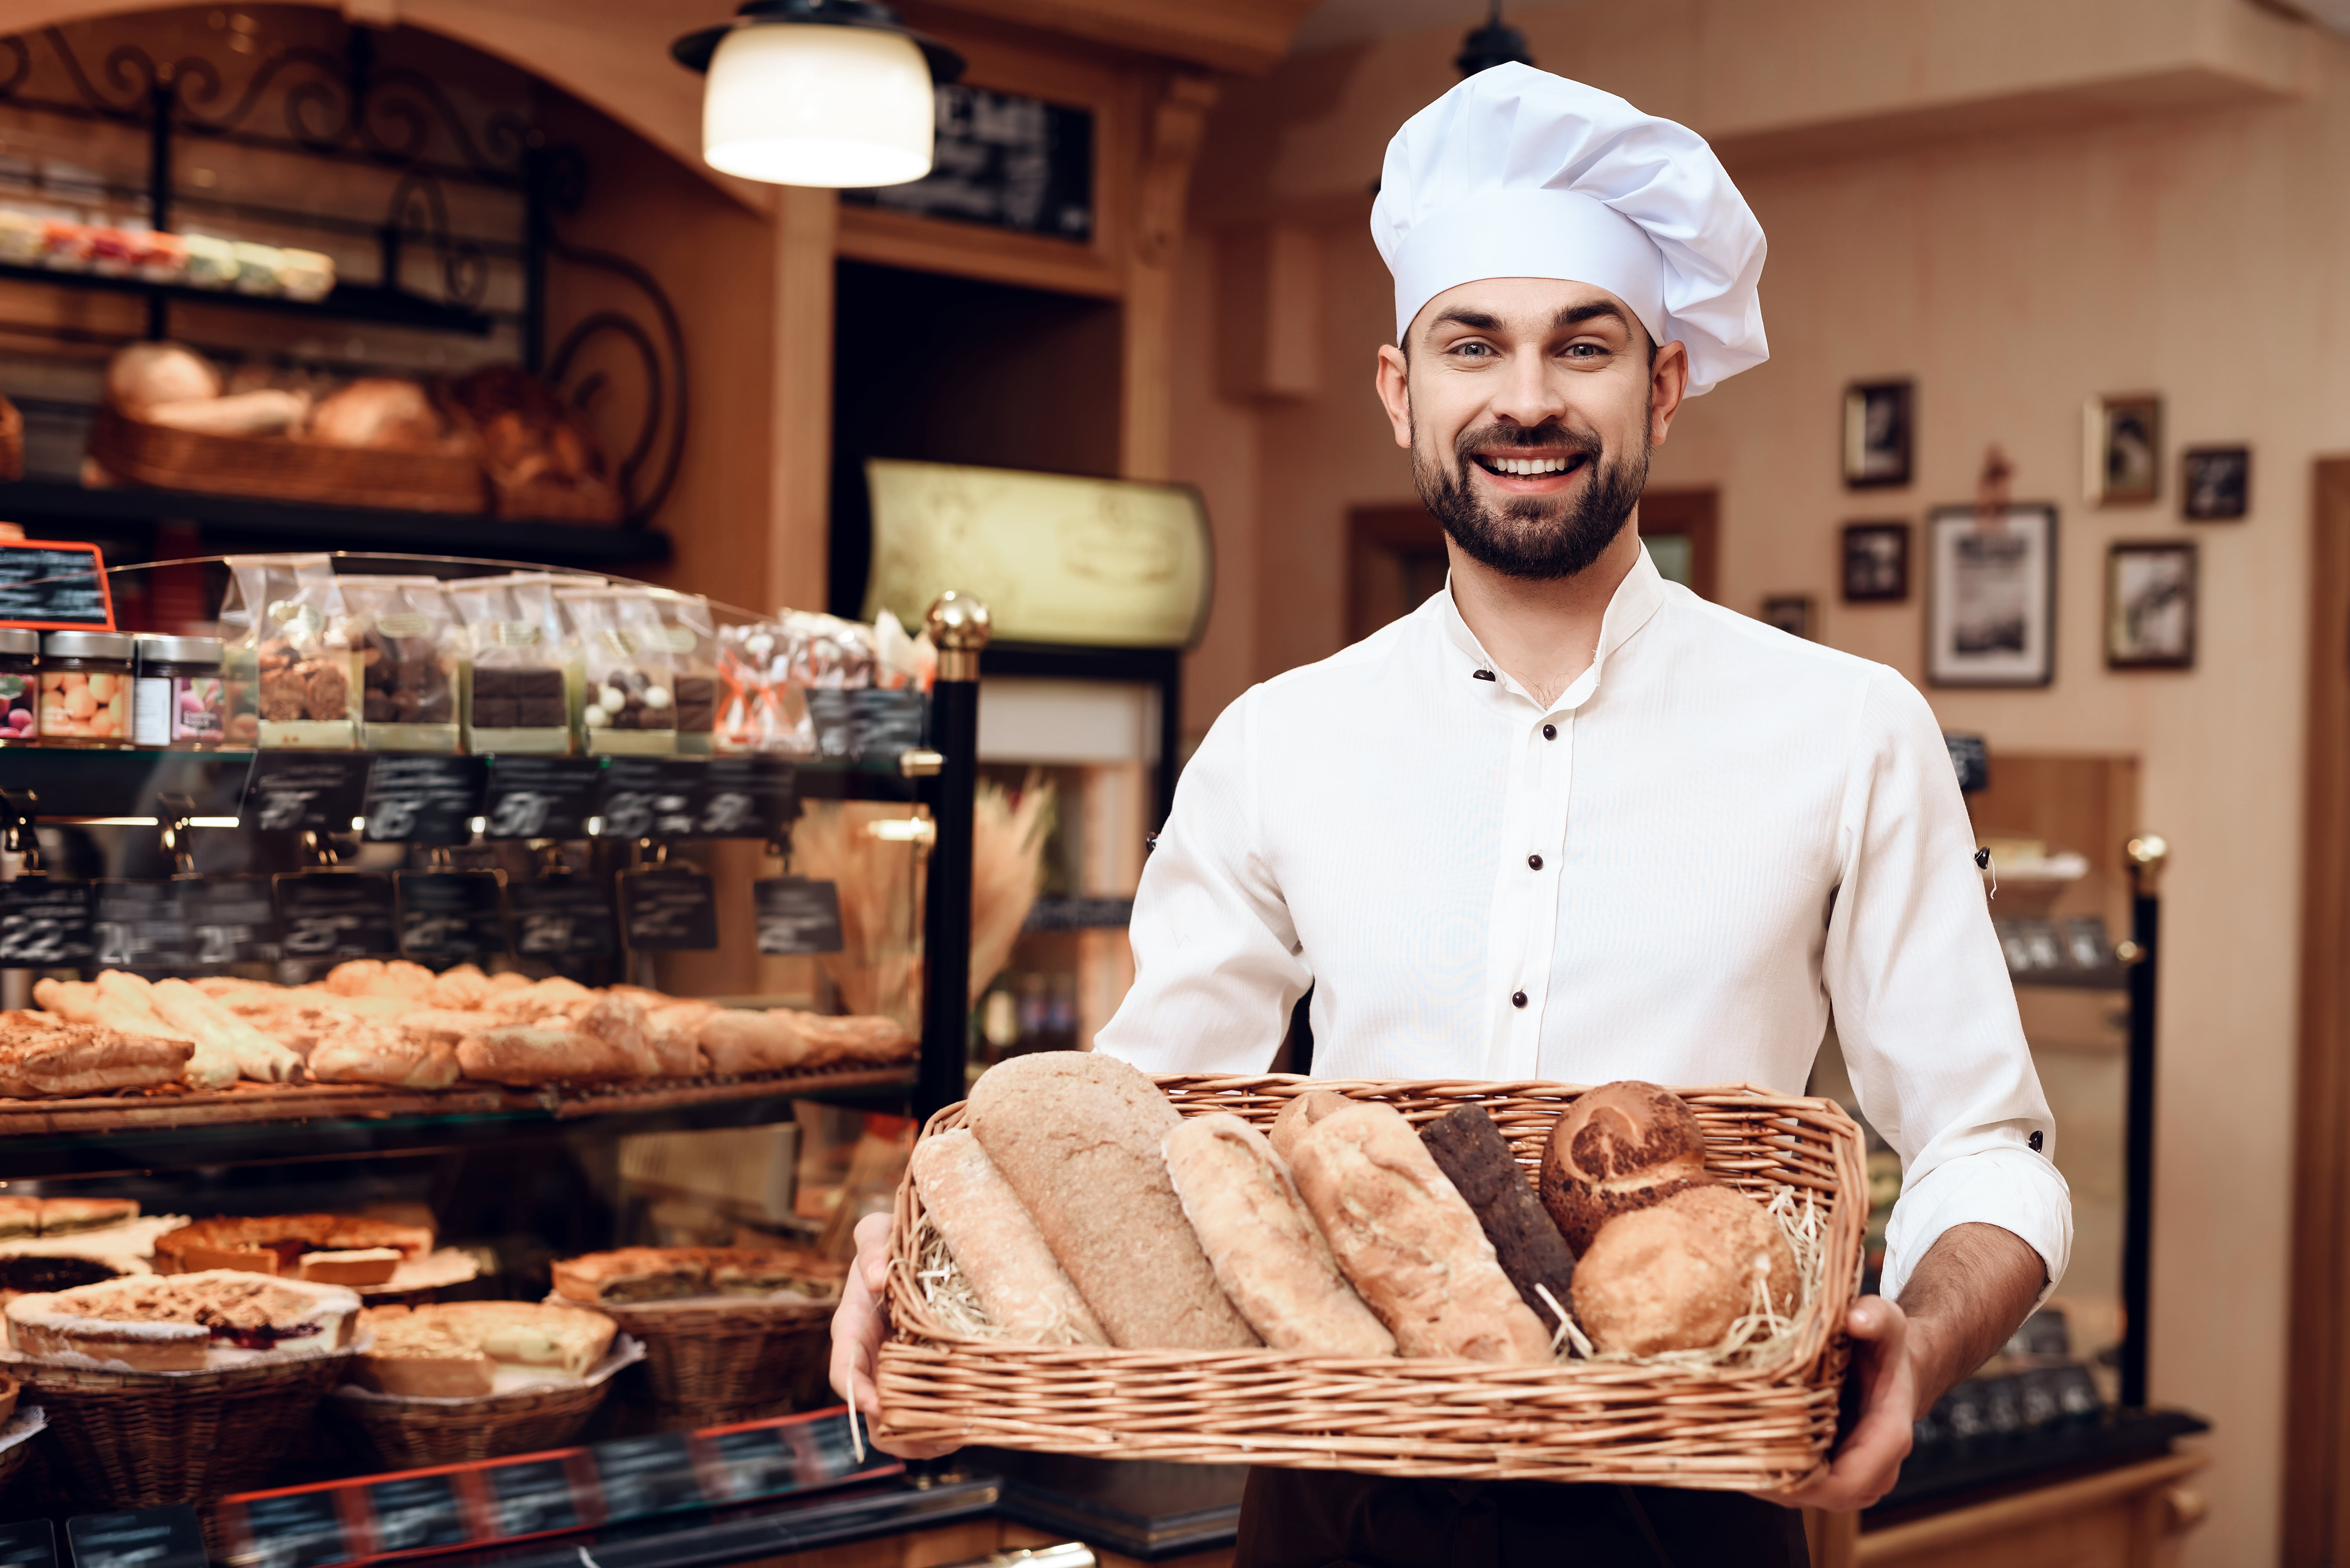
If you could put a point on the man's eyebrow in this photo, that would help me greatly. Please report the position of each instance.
(1476, 320)
(1575, 315)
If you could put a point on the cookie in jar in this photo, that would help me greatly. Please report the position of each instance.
(86, 689)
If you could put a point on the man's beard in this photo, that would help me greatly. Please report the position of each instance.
(1534, 536)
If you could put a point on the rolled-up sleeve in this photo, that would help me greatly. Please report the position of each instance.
(1216, 961)
(1924, 1008)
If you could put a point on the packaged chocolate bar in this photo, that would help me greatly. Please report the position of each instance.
(291, 671)
(411, 650)
(693, 659)
(512, 698)
(621, 658)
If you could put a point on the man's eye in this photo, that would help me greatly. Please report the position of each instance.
(1583, 350)
(1475, 349)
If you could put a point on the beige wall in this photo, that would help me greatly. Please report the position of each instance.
(2174, 221)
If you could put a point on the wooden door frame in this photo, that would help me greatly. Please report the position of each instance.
(1698, 513)
(2317, 1404)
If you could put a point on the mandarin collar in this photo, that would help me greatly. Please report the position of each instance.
(1636, 599)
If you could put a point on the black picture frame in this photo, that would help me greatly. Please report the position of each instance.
(1880, 421)
(2215, 483)
(1875, 563)
(2153, 601)
(1991, 596)
(2121, 449)
(1793, 614)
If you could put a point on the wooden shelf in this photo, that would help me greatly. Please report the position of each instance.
(347, 302)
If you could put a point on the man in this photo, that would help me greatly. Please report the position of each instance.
(1568, 822)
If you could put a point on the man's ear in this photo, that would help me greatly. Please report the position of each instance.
(1668, 386)
(1391, 381)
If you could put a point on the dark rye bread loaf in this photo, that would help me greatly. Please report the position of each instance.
(1077, 1136)
(1470, 1149)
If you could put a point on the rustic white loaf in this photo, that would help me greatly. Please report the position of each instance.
(997, 1246)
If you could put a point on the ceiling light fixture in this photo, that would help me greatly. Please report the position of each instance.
(1494, 43)
(818, 92)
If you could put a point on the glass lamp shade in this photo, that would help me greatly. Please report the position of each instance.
(814, 104)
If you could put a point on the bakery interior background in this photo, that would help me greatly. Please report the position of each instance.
(2079, 255)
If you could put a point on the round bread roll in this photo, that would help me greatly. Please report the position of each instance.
(1301, 1112)
(1619, 1147)
(142, 375)
(1676, 1275)
(996, 1245)
(1077, 1136)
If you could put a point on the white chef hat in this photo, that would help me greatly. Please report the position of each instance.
(1520, 173)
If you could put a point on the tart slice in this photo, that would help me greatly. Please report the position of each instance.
(633, 1275)
(177, 1323)
(763, 1271)
(457, 1348)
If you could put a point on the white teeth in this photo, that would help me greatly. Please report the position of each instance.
(1528, 466)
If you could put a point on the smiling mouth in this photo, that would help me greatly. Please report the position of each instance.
(1531, 465)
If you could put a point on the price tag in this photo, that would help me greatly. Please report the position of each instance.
(532, 1499)
(756, 1461)
(562, 918)
(796, 915)
(417, 1512)
(46, 924)
(646, 1475)
(886, 723)
(450, 917)
(668, 911)
(56, 585)
(230, 920)
(335, 914)
(653, 797)
(296, 1529)
(304, 792)
(141, 925)
(423, 800)
(150, 1537)
(28, 1543)
(746, 797)
(542, 797)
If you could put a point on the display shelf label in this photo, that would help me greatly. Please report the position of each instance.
(653, 797)
(663, 910)
(230, 920)
(295, 1529)
(532, 1499)
(746, 797)
(450, 917)
(417, 1513)
(542, 797)
(54, 585)
(796, 915)
(46, 924)
(149, 1538)
(640, 1476)
(555, 917)
(142, 925)
(423, 800)
(28, 1543)
(754, 1462)
(304, 792)
(335, 914)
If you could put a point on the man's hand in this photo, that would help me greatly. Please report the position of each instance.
(1972, 1289)
(857, 1330)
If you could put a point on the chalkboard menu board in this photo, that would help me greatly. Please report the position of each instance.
(541, 797)
(532, 1499)
(298, 1529)
(50, 584)
(450, 917)
(414, 1513)
(422, 799)
(231, 920)
(149, 1538)
(335, 915)
(1004, 161)
(29, 1543)
(304, 792)
(668, 911)
(796, 915)
(142, 926)
(562, 918)
(45, 924)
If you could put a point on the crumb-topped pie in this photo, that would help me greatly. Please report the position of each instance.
(637, 1275)
(459, 1348)
(177, 1323)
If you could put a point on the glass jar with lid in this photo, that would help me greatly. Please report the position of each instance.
(20, 687)
(179, 700)
(86, 689)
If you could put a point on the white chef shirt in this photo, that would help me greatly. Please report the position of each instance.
(1716, 837)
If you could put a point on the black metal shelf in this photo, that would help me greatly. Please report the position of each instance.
(346, 302)
(228, 520)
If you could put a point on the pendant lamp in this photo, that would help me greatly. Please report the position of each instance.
(1494, 43)
(818, 92)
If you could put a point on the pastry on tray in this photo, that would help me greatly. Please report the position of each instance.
(180, 1322)
(457, 1349)
(22, 1216)
(335, 1249)
(44, 1056)
(633, 1275)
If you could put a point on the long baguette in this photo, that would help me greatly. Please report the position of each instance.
(127, 1002)
(997, 1246)
(257, 1056)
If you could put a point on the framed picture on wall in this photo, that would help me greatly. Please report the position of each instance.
(2215, 483)
(1791, 613)
(1991, 595)
(2151, 605)
(1877, 421)
(1875, 563)
(2122, 449)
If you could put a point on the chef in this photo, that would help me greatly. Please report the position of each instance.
(1567, 821)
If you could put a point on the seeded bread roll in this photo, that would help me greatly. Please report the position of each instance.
(1619, 1147)
(1676, 1275)
(997, 1246)
(1471, 1151)
(1409, 1241)
(1301, 1112)
(1268, 1253)
(1076, 1136)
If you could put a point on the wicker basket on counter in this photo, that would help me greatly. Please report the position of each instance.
(275, 468)
(708, 1362)
(1728, 1429)
(409, 1434)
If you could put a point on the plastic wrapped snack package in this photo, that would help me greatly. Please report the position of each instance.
(620, 661)
(411, 652)
(512, 698)
(291, 671)
(693, 635)
(760, 708)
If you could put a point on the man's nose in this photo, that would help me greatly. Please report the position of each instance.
(1526, 396)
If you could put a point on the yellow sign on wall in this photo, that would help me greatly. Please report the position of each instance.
(1103, 563)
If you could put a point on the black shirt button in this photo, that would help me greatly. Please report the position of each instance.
(1550, 732)
(1534, 862)
(1517, 999)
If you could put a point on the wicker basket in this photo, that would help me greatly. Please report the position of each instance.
(278, 469)
(709, 1363)
(1727, 1429)
(407, 1434)
(143, 1439)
